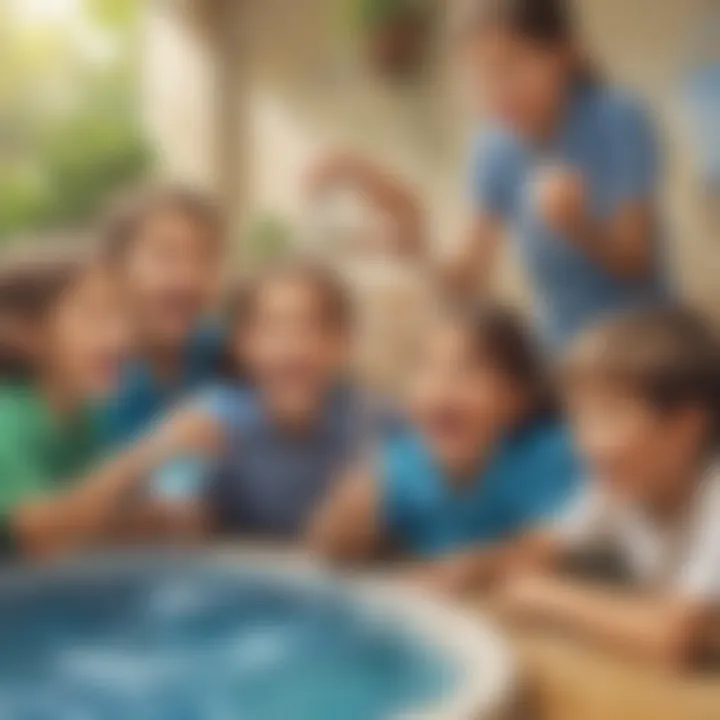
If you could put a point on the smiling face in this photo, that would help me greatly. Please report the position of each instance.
(293, 344)
(460, 402)
(83, 340)
(637, 450)
(518, 82)
(171, 274)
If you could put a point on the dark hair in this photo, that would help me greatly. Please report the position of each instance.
(548, 22)
(334, 301)
(500, 336)
(128, 215)
(30, 287)
(669, 358)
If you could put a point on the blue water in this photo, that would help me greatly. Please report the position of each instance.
(188, 641)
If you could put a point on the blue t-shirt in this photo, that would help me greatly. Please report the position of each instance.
(142, 398)
(268, 481)
(607, 137)
(529, 479)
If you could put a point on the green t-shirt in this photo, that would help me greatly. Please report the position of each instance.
(40, 452)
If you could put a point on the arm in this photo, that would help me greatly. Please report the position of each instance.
(480, 568)
(97, 507)
(465, 271)
(153, 520)
(621, 241)
(379, 187)
(348, 527)
(468, 270)
(60, 523)
(622, 244)
(170, 513)
(664, 629)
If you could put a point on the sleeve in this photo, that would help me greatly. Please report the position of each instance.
(184, 478)
(699, 578)
(396, 492)
(587, 521)
(558, 482)
(636, 156)
(230, 407)
(20, 479)
(181, 479)
(492, 176)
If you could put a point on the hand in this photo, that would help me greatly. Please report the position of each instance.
(328, 171)
(559, 195)
(188, 432)
(450, 576)
(523, 595)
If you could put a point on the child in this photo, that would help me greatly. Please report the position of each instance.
(62, 338)
(568, 163)
(483, 464)
(167, 249)
(644, 393)
(287, 439)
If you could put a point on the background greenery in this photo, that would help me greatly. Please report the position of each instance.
(70, 132)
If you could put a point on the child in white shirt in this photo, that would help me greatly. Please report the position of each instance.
(643, 393)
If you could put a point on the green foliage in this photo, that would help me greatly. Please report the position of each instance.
(114, 14)
(268, 237)
(69, 133)
(381, 13)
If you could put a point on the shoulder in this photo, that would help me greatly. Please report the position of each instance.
(233, 406)
(405, 456)
(496, 168)
(14, 414)
(545, 439)
(407, 483)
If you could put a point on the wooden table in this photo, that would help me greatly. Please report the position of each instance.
(566, 680)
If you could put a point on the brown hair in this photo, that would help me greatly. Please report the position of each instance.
(334, 300)
(548, 22)
(127, 217)
(500, 336)
(30, 287)
(669, 358)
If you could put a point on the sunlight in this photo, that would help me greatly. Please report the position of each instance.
(69, 19)
(46, 12)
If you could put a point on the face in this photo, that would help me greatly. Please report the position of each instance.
(171, 275)
(86, 338)
(518, 83)
(636, 450)
(460, 404)
(292, 352)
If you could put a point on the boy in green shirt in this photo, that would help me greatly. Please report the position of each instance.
(62, 339)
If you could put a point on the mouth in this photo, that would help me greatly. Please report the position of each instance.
(446, 424)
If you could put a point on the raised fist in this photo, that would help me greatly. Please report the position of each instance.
(559, 196)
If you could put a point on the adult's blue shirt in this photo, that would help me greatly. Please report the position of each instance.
(608, 138)
(142, 398)
(527, 480)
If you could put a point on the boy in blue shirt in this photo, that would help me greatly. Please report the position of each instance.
(483, 464)
(285, 437)
(167, 250)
